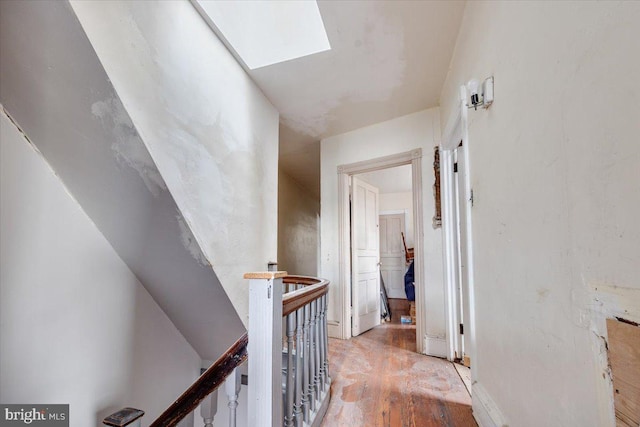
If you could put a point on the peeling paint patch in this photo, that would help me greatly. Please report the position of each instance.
(128, 146)
(592, 304)
(602, 350)
(599, 301)
(208, 190)
(189, 241)
(616, 301)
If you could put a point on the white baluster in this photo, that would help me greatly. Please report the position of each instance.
(312, 357)
(299, 367)
(323, 348)
(306, 384)
(209, 409)
(326, 339)
(232, 388)
(317, 349)
(289, 391)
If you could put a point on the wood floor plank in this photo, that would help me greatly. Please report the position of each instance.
(465, 374)
(380, 381)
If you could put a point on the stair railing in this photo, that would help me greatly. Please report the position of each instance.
(289, 378)
(205, 384)
(306, 348)
(288, 318)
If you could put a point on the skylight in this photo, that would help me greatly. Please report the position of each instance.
(267, 32)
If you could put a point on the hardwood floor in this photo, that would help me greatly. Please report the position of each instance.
(380, 381)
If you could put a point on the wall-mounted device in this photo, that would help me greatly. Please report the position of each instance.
(483, 99)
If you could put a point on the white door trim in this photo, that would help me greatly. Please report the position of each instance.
(395, 212)
(414, 158)
(449, 249)
(456, 131)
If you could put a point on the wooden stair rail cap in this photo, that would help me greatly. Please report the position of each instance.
(266, 275)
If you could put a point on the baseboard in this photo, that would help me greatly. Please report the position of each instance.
(318, 416)
(435, 346)
(485, 410)
(334, 329)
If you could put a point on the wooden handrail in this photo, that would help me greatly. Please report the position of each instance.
(314, 288)
(217, 373)
(302, 280)
(205, 384)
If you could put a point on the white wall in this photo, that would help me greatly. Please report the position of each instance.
(399, 201)
(76, 326)
(555, 172)
(210, 130)
(417, 130)
(298, 221)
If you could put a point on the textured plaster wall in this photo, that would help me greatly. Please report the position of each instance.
(418, 130)
(76, 326)
(555, 171)
(298, 228)
(209, 129)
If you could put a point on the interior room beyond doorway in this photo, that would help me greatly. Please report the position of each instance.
(396, 239)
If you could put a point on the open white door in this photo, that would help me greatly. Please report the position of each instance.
(392, 256)
(463, 235)
(365, 257)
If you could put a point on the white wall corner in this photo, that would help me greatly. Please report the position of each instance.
(437, 132)
(435, 346)
(485, 410)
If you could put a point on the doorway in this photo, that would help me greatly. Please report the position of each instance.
(461, 237)
(390, 225)
(345, 178)
(457, 202)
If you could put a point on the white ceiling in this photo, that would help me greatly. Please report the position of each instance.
(387, 59)
(392, 180)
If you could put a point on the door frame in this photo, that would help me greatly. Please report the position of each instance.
(456, 132)
(413, 158)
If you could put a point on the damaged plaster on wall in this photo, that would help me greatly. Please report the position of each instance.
(189, 241)
(128, 147)
(224, 200)
(129, 150)
(592, 306)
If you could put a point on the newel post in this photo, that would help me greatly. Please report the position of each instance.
(265, 348)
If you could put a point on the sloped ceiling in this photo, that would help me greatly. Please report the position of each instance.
(387, 59)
